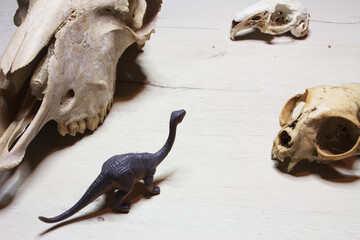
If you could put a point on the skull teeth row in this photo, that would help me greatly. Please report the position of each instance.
(80, 126)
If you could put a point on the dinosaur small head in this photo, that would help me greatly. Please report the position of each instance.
(178, 116)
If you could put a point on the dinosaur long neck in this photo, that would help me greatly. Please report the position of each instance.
(164, 151)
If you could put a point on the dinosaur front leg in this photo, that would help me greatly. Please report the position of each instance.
(149, 183)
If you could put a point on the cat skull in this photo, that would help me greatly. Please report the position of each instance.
(273, 17)
(61, 65)
(327, 128)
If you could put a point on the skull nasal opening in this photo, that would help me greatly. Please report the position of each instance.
(234, 23)
(285, 139)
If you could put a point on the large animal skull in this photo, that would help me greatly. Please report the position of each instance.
(61, 65)
(273, 17)
(326, 129)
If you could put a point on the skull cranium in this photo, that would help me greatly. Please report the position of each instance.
(61, 65)
(326, 129)
(273, 17)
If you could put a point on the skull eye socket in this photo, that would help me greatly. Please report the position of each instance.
(298, 109)
(337, 135)
(285, 139)
(281, 15)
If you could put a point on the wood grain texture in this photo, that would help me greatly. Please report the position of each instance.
(219, 181)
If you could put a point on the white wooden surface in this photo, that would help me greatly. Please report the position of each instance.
(219, 181)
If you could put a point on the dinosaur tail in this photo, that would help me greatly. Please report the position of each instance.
(96, 189)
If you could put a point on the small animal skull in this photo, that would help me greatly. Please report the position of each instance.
(273, 17)
(327, 128)
(61, 65)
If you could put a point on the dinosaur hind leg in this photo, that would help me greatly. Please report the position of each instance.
(120, 195)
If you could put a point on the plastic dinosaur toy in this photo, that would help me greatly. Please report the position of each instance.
(121, 172)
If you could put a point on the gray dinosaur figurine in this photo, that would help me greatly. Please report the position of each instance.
(122, 172)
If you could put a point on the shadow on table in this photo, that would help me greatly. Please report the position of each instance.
(339, 171)
(131, 79)
(130, 82)
(139, 193)
(256, 34)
